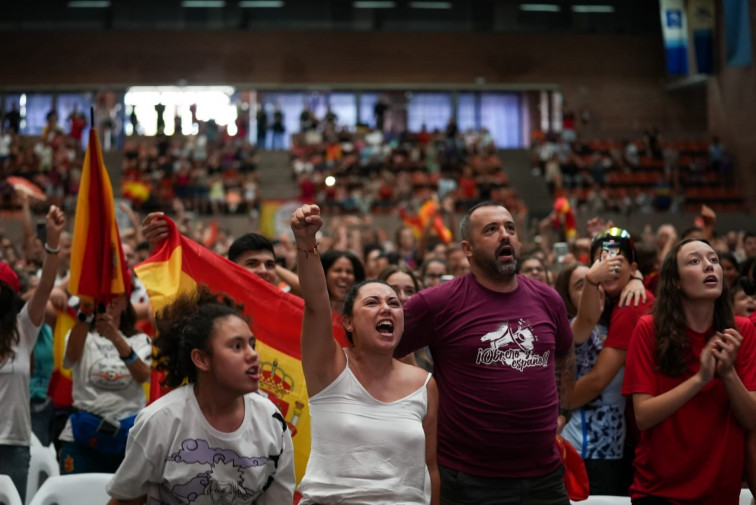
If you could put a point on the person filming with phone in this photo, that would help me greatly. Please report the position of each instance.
(110, 360)
(619, 319)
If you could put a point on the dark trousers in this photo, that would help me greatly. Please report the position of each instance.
(606, 476)
(459, 488)
(14, 462)
(75, 458)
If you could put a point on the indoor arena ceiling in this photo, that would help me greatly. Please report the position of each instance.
(576, 16)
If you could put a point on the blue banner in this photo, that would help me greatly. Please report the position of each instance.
(737, 20)
(701, 19)
(675, 32)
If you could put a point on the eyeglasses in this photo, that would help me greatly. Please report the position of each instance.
(434, 276)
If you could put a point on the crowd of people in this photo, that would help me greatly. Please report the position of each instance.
(468, 354)
(647, 174)
(371, 172)
(51, 161)
(618, 343)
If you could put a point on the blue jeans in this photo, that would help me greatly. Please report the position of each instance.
(459, 488)
(14, 462)
(75, 458)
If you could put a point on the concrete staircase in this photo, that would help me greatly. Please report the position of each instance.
(275, 175)
(114, 163)
(532, 189)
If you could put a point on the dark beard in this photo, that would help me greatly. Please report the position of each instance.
(499, 271)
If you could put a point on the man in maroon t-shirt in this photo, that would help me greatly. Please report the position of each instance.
(497, 340)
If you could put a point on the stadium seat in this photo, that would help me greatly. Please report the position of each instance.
(74, 489)
(8, 492)
(746, 498)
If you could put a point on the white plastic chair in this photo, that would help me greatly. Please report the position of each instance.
(605, 500)
(8, 492)
(746, 498)
(74, 489)
(43, 464)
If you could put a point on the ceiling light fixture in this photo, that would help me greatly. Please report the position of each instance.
(374, 5)
(593, 9)
(540, 8)
(261, 4)
(203, 4)
(430, 5)
(89, 4)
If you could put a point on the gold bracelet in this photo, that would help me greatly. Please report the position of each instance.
(307, 252)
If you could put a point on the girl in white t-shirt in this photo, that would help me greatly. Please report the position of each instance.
(213, 440)
(19, 327)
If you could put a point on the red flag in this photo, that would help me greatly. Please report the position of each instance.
(179, 264)
(98, 268)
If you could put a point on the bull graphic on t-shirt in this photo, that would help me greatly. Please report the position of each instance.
(512, 348)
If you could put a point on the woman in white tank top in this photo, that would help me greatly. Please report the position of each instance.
(373, 418)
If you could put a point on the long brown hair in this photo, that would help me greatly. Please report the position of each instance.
(673, 351)
(562, 285)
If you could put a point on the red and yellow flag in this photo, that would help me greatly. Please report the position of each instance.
(98, 269)
(564, 218)
(427, 212)
(179, 264)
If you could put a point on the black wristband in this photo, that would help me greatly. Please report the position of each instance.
(131, 358)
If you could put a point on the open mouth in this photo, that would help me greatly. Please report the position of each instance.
(253, 373)
(505, 251)
(711, 279)
(385, 328)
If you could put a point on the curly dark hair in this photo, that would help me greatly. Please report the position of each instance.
(187, 324)
(673, 351)
(11, 305)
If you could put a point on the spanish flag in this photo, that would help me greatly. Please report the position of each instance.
(98, 269)
(418, 223)
(564, 218)
(179, 264)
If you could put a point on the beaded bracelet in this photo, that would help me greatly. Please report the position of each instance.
(307, 252)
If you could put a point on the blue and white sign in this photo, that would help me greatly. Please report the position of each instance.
(675, 32)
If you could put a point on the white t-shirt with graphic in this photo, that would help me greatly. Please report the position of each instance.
(102, 383)
(15, 426)
(174, 456)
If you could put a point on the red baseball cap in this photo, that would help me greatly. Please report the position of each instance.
(8, 276)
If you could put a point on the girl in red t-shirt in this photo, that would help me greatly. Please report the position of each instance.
(691, 373)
